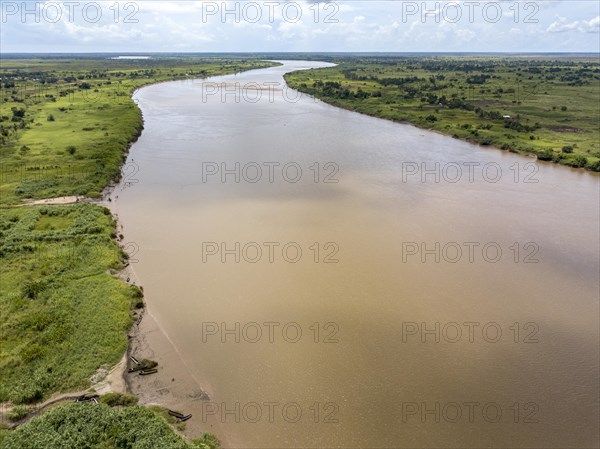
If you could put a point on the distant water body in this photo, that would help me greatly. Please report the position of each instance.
(459, 307)
(131, 57)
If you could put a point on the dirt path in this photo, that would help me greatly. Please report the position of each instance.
(108, 380)
(59, 200)
(37, 409)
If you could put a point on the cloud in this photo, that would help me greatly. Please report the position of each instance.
(584, 26)
(342, 25)
(561, 25)
(591, 26)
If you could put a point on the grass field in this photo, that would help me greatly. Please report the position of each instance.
(550, 108)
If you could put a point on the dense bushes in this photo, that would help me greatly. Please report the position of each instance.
(62, 315)
(88, 425)
(118, 399)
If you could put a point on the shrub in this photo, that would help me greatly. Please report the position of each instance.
(71, 149)
(545, 155)
(32, 352)
(208, 441)
(17, 413)
(567, 149)
(148, 364)
(27, 393)
(118, 399)
(50, 118)
(578, 161)
(32, 289)
(595, 166)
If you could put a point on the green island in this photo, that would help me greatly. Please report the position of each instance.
(66, 124)
(547, 105)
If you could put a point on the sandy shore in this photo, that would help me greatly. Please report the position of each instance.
(58, 200)
(173, 386)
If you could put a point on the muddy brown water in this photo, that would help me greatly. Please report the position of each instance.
(340, 289)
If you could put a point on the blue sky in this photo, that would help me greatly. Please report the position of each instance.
(262, 26)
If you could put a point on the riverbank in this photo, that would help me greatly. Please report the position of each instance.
(70, 127)
(174, 386)
(65, 269)
(544, 108)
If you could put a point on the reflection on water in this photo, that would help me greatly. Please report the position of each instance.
(462, 310)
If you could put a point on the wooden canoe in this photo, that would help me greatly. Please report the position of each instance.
(175, 414)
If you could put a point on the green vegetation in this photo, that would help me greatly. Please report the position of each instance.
(144, 364)
(98, 426)
(17, 413)
(550, 108)
(118, 399)
(208, 441)
(62, 314)
(65, 123)
(65, 127)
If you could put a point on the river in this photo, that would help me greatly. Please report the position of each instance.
(359, 283)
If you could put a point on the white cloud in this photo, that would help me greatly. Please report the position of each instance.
(584, 26)
(561, 25)
(591, 26)
(356, 26)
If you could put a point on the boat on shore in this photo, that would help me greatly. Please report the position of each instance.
(180, 416)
